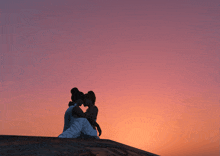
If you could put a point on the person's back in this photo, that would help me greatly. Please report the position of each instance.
(68, 117)
(91, 113)
(68, 114)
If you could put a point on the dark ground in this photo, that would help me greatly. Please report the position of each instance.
(12, 145)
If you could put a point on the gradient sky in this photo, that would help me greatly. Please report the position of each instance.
(153, 65)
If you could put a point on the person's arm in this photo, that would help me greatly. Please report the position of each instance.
(93, 122)
(91, 115)
(92, 112)
(78, 111)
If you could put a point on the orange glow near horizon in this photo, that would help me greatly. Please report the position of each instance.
(154, 67)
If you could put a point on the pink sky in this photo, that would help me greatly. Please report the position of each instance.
(153, 65)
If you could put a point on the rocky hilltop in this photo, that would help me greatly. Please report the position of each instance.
(53, 146)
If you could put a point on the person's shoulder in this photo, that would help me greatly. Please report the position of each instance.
(95, 108)
(76, 107)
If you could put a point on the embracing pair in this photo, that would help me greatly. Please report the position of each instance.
(78, 124)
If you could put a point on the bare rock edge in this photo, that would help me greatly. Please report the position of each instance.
(53, 146)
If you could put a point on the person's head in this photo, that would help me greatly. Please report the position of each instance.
(89, 99)
(79, 98)
(74, 91)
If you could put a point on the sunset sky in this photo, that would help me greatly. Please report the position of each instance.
(154, 66)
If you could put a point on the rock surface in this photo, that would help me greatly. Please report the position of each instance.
(53, 146)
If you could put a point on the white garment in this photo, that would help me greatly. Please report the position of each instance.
(68, 117)
(76, 127)
(73, 126)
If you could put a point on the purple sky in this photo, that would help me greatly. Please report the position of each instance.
(153, 65)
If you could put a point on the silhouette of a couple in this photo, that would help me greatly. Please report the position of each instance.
(78, 124)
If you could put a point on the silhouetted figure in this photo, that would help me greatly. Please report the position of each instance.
(75, 121)
(74, 90)
(92, 112)
(76, 98)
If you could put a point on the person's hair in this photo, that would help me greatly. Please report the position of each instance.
(91, 96)
(74, 90)
(77, 96)
(80, 95)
